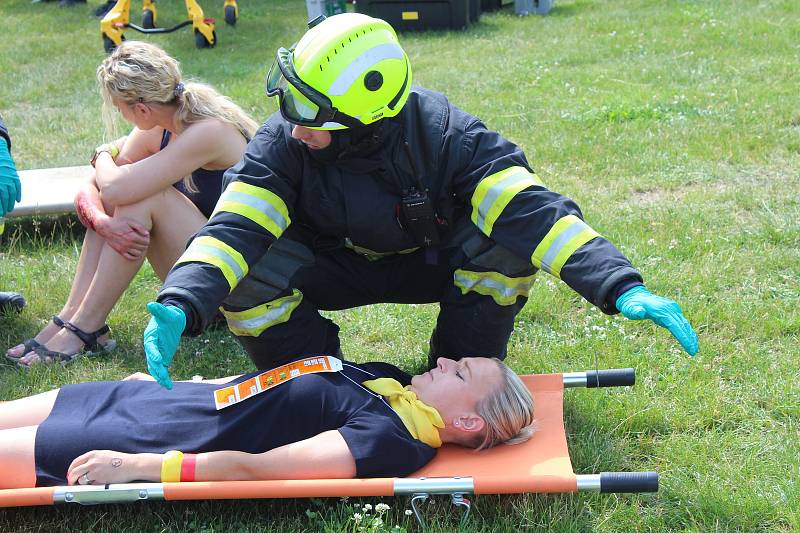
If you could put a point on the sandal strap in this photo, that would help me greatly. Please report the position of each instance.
(89, 339)
(49, 356)
(58, 321)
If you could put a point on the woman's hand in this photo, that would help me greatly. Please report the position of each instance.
(139, 376)
(100, 467)
(127, 237)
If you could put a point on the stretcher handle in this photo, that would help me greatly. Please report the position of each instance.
(613, 377)
(629, 482)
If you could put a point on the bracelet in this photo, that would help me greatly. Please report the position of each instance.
(111, 148)
(171, 466)
(188, 466)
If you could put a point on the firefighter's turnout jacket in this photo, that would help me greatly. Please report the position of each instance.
(349, 195)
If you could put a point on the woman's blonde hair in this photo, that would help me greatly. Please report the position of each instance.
(139, 72)
(507, 413)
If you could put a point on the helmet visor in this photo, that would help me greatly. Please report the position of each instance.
(300, 103)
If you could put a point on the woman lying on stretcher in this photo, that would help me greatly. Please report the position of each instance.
(304, 420)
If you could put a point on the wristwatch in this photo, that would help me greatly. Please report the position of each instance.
(107, 147)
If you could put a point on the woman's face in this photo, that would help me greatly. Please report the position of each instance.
(454, 388)
(314, 139)
(134, 114)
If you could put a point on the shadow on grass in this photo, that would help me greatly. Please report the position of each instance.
(39, 232)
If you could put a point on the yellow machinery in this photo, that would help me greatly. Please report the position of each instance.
(117, 20)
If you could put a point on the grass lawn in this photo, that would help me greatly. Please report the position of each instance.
(674, 124)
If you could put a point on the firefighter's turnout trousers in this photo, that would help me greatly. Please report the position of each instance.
(479, 285)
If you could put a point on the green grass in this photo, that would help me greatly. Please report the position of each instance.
(676, 127)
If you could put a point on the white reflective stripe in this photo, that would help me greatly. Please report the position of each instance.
(357, 67)
(563, 238)
(496, 190)
(199, 246)
(495, 286)
(333, 125)
(261, 322)
(257, 203)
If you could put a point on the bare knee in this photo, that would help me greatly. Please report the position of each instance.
(143, 210)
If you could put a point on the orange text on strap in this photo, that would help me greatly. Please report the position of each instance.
(233, 394)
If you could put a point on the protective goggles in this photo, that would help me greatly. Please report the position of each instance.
(300, 103)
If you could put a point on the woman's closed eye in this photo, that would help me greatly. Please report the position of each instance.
(459, 376)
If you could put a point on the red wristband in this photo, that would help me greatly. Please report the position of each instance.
(188, 466)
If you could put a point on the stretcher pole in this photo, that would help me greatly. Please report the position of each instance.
(614, 377)
(618, 482)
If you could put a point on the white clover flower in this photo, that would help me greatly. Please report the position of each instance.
(357, 517)
(367, 507)
(381, 508)
(408, 512)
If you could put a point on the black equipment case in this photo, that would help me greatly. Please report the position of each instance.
(422, 14)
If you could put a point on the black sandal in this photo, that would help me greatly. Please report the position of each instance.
(31, 344)
(90, 346)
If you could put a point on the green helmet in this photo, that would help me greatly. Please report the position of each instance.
(347, 71)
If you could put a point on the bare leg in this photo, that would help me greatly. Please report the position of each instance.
(87, 266)
(30, 411)
(172, 219)
(17, 457)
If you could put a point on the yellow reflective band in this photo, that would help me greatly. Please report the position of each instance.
(262, 206)
(567, 235)
(233, 394)
(214, 252)
(503, 289)
(495, 192)
(252, 322)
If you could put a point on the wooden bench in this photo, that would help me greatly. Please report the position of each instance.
(48, 191)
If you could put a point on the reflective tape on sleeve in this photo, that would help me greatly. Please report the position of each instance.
(207, 249)
(565, 237)
(262, 206)
(503, 289)
(252, 322)
(494, 193)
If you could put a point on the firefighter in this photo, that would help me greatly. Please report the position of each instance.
(363, 189)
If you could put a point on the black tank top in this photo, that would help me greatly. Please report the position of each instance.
(207, 182)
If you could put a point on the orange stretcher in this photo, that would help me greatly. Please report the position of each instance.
(541, 465)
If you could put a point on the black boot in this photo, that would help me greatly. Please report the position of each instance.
(11, 301)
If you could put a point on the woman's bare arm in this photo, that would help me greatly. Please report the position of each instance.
(324, 456)
(208, 144)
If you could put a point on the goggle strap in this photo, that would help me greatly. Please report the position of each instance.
(399, 94)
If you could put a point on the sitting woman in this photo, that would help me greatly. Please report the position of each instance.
(149, 193)
(306, 420)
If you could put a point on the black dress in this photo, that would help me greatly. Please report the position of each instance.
(207, 185)
(142, 417)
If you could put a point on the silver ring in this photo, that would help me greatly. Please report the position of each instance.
(85, 478)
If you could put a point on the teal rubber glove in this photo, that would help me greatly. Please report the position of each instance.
(10, 187)
(638, 303)
(161, 338)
